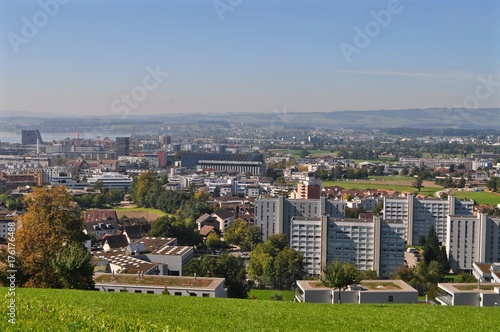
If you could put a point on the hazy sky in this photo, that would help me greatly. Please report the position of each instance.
(164, 56)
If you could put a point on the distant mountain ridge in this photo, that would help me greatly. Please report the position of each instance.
(484, 118)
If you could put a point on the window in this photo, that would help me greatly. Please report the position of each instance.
(150, 292)
(206, 295)
(391, 298)
(177, 293)
(138, 291)
(111, 290)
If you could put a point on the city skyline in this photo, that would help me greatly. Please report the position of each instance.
(121, 58)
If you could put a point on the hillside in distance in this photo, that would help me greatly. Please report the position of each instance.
(432, 118)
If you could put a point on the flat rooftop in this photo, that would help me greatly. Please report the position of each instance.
(468, 287)
(172, 250)
(154, 243)
(159, 281)
(129, 263)
(370, 285)
(484, 267)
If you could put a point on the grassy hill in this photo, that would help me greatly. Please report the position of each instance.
(69, 310)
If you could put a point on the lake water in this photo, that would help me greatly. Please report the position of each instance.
(15, 137)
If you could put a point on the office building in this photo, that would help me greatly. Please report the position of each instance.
(122, 146)
(31, 137)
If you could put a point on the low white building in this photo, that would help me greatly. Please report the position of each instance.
(149, 284)
(486, 272)
(474, 294)
(111, 180)
(368, 291)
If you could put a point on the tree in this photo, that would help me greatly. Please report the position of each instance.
(73, 267)
(98, 201)
(231, 268)
(288, 267)
(173, 226)
(280, 179)
(464, 278)
(368, 275)
(236, 233)
(213, 240)
(143, 186)
(418, 183)
(273, 264)
(50, 243)
(216, 192)
(304, 153)
(201, 195)
(493, 184)
(253, 237)
(431, 248)
(422, 240)
(339, 276)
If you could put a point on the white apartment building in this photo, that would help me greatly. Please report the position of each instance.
(472, 239)
(111, 180)
(273, 215)
(370, 244)
(420, 214)
(306, 236)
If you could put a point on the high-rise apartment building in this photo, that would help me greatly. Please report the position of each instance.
(370, 244)
(273, 215)
(472, 239)
(419, 214)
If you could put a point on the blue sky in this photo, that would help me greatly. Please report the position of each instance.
(247, 56)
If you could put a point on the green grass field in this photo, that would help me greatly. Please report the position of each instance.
(377, 184)
(69, 310)
(265, 294)
(296, 153)
(141, 209)
(135, 212)
(480, 197)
